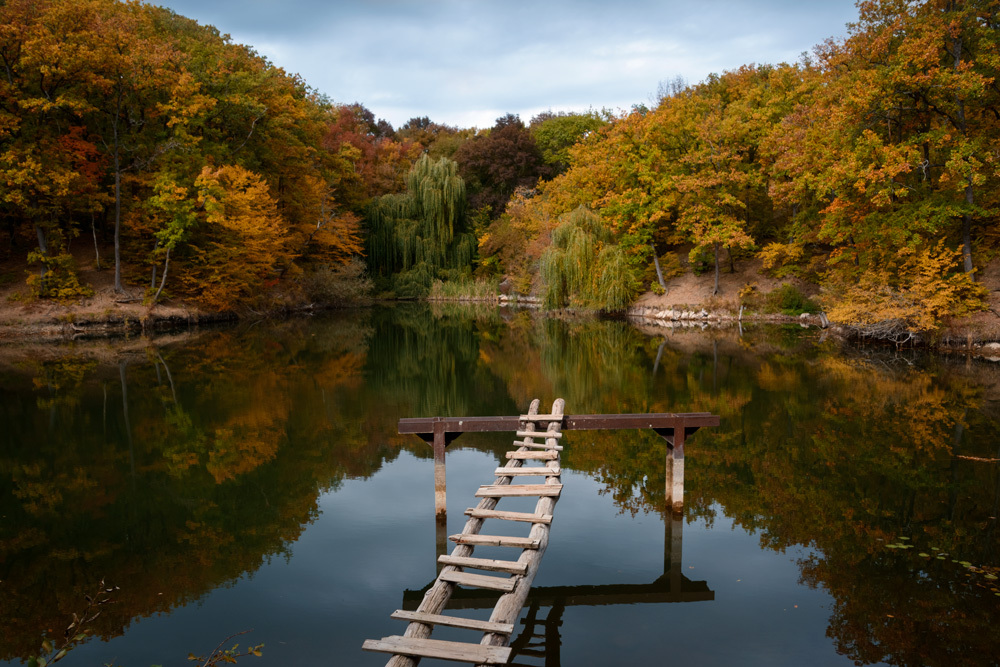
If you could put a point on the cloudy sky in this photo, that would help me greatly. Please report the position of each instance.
(466, 62)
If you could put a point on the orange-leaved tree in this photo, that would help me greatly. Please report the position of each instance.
(241, 245)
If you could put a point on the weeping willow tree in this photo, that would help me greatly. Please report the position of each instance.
(422, 233)
(584, 267)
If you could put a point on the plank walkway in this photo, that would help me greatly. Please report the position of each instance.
(515, 576)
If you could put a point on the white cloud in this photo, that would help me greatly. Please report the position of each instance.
(466, 62)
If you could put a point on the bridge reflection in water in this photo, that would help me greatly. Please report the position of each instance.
(540, 637)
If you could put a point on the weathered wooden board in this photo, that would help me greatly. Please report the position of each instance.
(518, 490)
(509, 516)
(491, 564)
(550, 455)
(538, 434)
(539, 445)
(495, 541)
(541, 418)
(514, 472)
(453, 621)
(473, 580)
(443, 650)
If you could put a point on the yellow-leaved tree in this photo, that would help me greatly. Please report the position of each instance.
(910, 291)
(241, 245)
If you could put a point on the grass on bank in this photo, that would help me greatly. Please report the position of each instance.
(465, 290)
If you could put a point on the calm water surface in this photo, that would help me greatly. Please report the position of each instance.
(252, 479)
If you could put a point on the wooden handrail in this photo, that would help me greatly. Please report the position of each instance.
(425, 426)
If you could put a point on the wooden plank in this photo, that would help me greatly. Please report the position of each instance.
(509, 516)
(652, 420)
(491, 564)
(538, 434)
(437, 648)
(495, 541)
(518, 490)
(549, 455)
(454, 621)
(539, 445)
(690, 420)
(542, 418)
(537, 470)
(472, 580)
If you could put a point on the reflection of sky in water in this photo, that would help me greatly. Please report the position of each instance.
(375, 538)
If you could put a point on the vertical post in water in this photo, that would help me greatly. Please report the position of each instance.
(440, 495)
(675, 465)
(440, 501)
(675, 471)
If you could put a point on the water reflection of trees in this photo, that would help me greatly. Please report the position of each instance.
(174, 469)
(841, 452)
(169, 471)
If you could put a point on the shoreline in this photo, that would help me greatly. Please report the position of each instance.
(62, 323)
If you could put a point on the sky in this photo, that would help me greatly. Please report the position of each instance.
(467, 62)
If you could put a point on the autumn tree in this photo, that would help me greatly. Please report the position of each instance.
(48, 161)
(720, 181)
(438, 139)
(895, 151)
(242, 241)
(133, 73)
(497, 162)
(366, 159)
(555, 133)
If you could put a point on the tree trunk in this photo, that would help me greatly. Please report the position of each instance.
(659, 273)
(152, 280)
(970, 199)
(967, 231)
(118, 226)
(163, 281)
(716, 290)
(43, 246)
(118, 199)
(97, 251)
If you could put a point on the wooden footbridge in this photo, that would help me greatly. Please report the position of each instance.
(538, 443)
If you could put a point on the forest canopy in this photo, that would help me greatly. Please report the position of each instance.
(868, 168)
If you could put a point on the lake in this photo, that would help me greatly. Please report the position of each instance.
(251, 479)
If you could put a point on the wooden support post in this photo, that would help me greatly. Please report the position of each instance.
(440, 485)
(441, 538)
(675, 472)
(675, 465)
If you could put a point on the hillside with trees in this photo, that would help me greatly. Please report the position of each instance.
(203, 173)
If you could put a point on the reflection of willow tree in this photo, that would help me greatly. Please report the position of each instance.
(206, 487)
(607, 367)
(428, 364)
